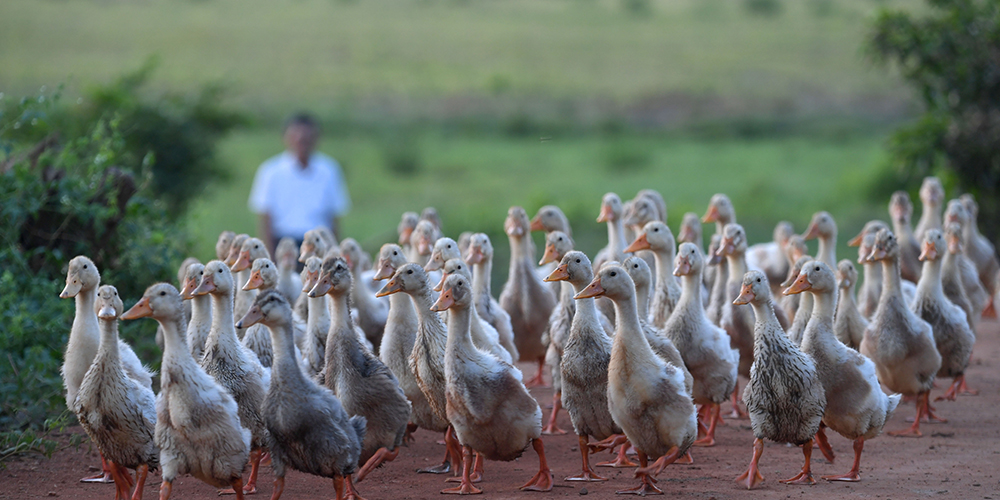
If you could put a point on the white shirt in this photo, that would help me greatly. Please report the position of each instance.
(299, 199)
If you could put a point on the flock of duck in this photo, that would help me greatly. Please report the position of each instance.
(328, 373)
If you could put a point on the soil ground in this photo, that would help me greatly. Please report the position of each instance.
(957, 459)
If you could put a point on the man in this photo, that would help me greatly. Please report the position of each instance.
(299, 189)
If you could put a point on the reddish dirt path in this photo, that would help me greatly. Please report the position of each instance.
(958, 459)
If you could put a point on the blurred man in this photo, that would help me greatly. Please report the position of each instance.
(299, 189)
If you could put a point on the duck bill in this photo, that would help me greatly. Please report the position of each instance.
(726, 247)
(954, 245)
(606, 214)
(423, 246)
(560, 274)
(550, 255)
(254, 282)
(305, 251)
(928, 252)
(856, 241)
(683, 267)
(321, 288)
(801, 284)
(512, 228)
(812, 232)
(536, 224)
(252, 317)
(876, 255)
(435, 263)
(233, 256)
(107, 311)
(444, 301)
(686, 235)
(712, 215)
(475, 256)
(190, 286)
(242, 262)
(594, 289)
(141, 309)
(640, 243)
(404, 237)
(207, 285)
(71, 290)
(745, 297)
(308, 282)
(440, 285)
(385, 271)
(389, 288)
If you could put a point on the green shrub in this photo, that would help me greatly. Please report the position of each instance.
(765, 8)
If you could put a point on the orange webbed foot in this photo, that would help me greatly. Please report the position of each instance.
(803, 477)
(381, 456)
(851, 477)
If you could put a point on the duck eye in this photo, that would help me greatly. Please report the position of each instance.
(162, 293)
(85, 266)
(410, 271)
(758, 280)
(656, 229)
(614, 273)
(817, 268)
(577, 261)
(394, 253)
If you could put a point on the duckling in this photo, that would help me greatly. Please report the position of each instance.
(289, 282)
(364, 385)
(524, 297)
(848, 324)
(198, 428)
(978, 297)
(82, 281)
(487, 403)
(951, 275)
(422, 242)
(557, 244)
(201, 310)
(856, 407)
(899, 342)
(900, 212)
(784, 397)
(952, 334)
(705, 348)
(233, 365)
(584, 369)
(372, 313)
(646, 396)
(656, 236)
(317, 322)
(770, 257)
(804, 310)
(612, 213)
(480, 257)
(425, 361)
(308, 427)
(978, 248)
(932, 196)
(118, 413)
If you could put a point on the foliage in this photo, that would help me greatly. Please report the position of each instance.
(14, 443)
(949, 57)
(61, 196)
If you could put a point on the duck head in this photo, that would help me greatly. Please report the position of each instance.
(310, 273)
(192, 279)
(557, 243)
(755, 289)
(81, 275)
(223, 244)
(655, 236)
(408, 279)
(390, 258)
(689, 261)
(334, 278)
(160, 301)
(574, 267)
(611, 208)
(270, 308)
(456, 293)
(108, 305)
(445, 249)
(480, 249)
(263, 274)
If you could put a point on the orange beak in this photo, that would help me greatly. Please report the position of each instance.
(802, 284)
(746, 295)
(606, 213)
(252, 317)
(594, 289)
(856, 241)
(640, 243)
(445, 301)
(683, 267)
(242, 262)
(141, 309)
(436, 262)
(190, 286)
(389, 288)
(385, 271)
(877, 254)
(712, 215)
(231, 258)
(404, 237)
(726, 247)
(71, 290)
(106, 312)
(686, 235)
(423, 246)
(536, 223)
(309, 282)
(322, 287)
(551, 255)
(254, 282)
(475, 255)
(207, 285)
(438, 287)
(560, 274)
(306, 250)
(811, 232)
(929, 252)
(954, 245)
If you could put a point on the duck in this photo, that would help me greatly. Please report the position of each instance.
(233, 365)
(770, 257)
(690, 230)
(407, 223)
(223, 244)
(444, 250)
(651, 404)
(612, 212)
(900, 212)
(525, 298)
(794, 250)
(899, 342)
(265, 275)
(824, 228)
(289, 281)
(978, 296)
(181, 273)
(198, 429)
(557, 244)
(856, 407)
(230, 260)
(804, 310)
(309, 428)
(979, 249)
(372, 313)
(642, 210)
(251, 250)
(584, 369)
(952, 333)
(551, 218)
(201, 310)
(784, 396)
(317, 322)
(737, 320)
(82, 282)
(487, 403)
(425, 361)
(355, 375)
(871, 287)
(117, 412)
(706, 349)
(422, 242)
(848, 324)
(484, 336)
(480, 257)
(720, 276)
(931, 196)
(656, 237)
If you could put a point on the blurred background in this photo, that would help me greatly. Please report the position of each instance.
(130, 130)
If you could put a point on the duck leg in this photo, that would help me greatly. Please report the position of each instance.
(537, 380)
(466, 488)
(957, 387)
(140, 481)
(165, 487)
(551, 427)
(121, 485)
(752, 476)
(914, 430)
(709, 439)
(804, 477)
(824, 443)
(103, 477)
(451, 460)
(963, 388)
(929, 410)
(381, 456)
(647, 486)
(738, 412)
(542, 480)
(661, 463)
(408, 437)
(279, 488)
(855, 473)
(588, 474)
(251, 486)
(345, 488)
(607, 444)
(622, 460)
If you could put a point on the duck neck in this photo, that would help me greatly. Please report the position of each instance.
(174, 346)
(201, 310)
(318, 315)
(84, 319)
(109, 340)
(846, 297)
(873, 276)
(642, 298)
(585, 308)
(481, 287)
(828, 250)
(891, 286)
(223, 327)
(340, 315)
(664, 268)
(737, 266)
(767, 326)
(284, 365)
(930, 280)
(824, 305)
(422, 302)
(628, 329)
(930, 217)
(401, 309)
(690, 290)
(616, 238)
(459, 333)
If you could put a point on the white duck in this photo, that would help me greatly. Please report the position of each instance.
(201, 311)
(932, 197)
(770, 257)
(848, 325)
(979, 249)
(900, 213)
(480, 257)
(656, 237)
(317, 322)
(372, 313)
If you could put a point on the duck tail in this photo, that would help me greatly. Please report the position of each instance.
(894, 400)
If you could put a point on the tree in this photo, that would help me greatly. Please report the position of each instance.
(951, 57)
